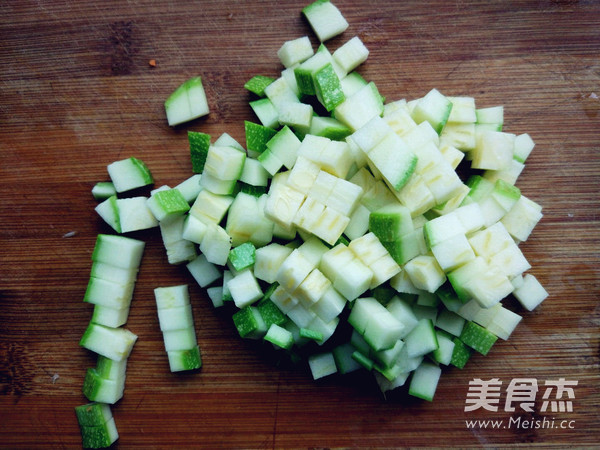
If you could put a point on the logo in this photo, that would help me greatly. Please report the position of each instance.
(520, 394)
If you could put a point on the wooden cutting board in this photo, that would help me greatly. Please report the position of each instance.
(78, 92)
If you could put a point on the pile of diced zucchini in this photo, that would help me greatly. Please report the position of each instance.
(340, 230)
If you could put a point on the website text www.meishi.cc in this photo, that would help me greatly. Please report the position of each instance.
(532, 423)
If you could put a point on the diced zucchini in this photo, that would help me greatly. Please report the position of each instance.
(295, 114)
(361, 107)
(118, 251)
(477, 337)
(175, 318)
(249, 323)
(396, 162)
(422, 339)
(503, 323)
(490, 115)
(108, 210)
(113, 343)
(312, 288)
(266, 112)
(224, 163)
(443, 354)
(460, 354)
(199, 144)
(103, 190)
(363, 360)
(128, 174)
(328, 127)
(203, 271)
(180, 339)
(531, 293)
(434, 108)
(424, 381)
(187, 102)
(244, 288)
(522, 218)
(344, 362)
(257, 137)
(100, 389)
(270, 313)
(93, 414)
(351, 54)
(279, 336)
(328, 88)
(322, 365)
(243, 256)
(134, 214)
(108, 293)
(450, 322)
(97, 425)
(110, 317)
(391, 222)
(258, 83)
(183, 360)
(280, 92)
(425, 273)
(295, 51)
(325, 19)
(216, 245)
(167, 205)
(284, 145)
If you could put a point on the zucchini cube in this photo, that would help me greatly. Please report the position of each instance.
(100, 436)
(425, 273)
(181, 339)
(203, 271)
(424, 381)
(531, 293)
(393, 158)
(270, 313)
(330, 305)
(243, 256)
(257, 137)
(187, 102)
(312, 288)
(351, 54)
(360, 108)
(249, 323)
(257, 84)
(93, 414)
(199, 144)
(167, 205)
(113, 343)
(134, 214)
(295, 51)
(224, 163)
(108, 293)
(328, 87)
(216, 245)
(477, 337)
(434, 108)
(244, 288)
(183, 360)
(279, 336)
(322, 365)
(460, 354)
(325, 19)
(128, 174)
(422, 339)
(118, 251)
(97, 388)
(391, 222)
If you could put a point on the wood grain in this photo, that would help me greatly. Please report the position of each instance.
(78, 93)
